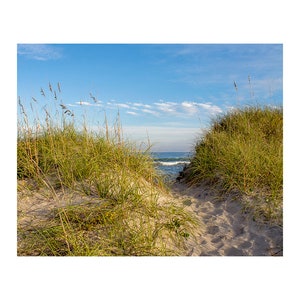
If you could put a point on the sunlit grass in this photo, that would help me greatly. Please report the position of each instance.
(243, 151)
(124, 214)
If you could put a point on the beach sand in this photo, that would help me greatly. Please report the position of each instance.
(228, 231)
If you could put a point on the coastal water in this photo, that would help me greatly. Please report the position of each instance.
(171, 163)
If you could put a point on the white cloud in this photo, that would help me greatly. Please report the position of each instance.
(212, 109)
(166, 106)
(39, 51)
(142, 105)
(189, 107)
(132, 113)
(187, 104)
(162, 108)
(150, 111)
(123, 105)
(84, 103)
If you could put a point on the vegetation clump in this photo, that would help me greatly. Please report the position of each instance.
(93, 193)
(243, 151)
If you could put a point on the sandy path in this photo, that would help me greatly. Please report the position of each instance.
(228, 231)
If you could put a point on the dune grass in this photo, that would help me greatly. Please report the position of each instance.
(243, 151)
(105, 193)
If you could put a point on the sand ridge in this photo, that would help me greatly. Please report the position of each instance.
(228, 230)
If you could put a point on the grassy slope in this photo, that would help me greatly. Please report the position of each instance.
(123, 215)
(243, 151)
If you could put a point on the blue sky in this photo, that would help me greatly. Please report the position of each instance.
(167, 92)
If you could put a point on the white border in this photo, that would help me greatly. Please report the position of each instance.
(149, 22)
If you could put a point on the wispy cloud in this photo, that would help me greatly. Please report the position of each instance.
(189, 107)
(84, 103)
(162, 109)
(41, 52)
(150, 111)
(168, 107)
(131, 113)
(141, 105)
(210, 108)
(123, 105)
(139, 108)
(213, 66)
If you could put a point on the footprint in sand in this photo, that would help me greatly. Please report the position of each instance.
(218, 212)
(212, 229)
(217, 240)
(234, 252)
(227, 229)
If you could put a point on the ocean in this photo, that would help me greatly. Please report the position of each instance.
(171, 163)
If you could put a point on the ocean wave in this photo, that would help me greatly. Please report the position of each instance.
(172, 163)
